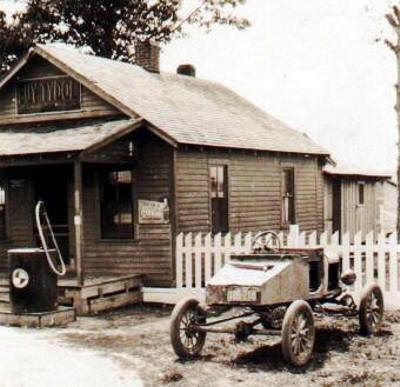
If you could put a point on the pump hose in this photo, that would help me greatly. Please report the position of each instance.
(38, 208)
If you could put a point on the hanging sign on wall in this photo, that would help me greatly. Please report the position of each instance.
(151, 212)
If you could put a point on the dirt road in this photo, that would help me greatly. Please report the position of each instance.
(131, 346)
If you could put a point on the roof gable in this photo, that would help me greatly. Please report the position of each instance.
(40, 75)
(183, 109)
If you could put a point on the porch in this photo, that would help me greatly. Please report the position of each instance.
(92, 190)
(96, 294)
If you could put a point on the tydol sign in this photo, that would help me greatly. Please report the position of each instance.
(51, 94)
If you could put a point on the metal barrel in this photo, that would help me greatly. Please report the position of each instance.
(33, 285)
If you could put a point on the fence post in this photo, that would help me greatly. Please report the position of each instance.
(197, 261)
(346, 252)
(393, 263)
(357, 262)
(179, 260)
(381, 261)
(247, 242)
(293, 236)
(188, 261)
(217, 252)
(302, 239)
(227, 247)
(207, 257)
(369, 257)
(312, 239)
(238, 247)
(323, 239)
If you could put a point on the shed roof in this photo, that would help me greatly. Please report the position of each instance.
(52, 139)
(356, 172)
(187, 110)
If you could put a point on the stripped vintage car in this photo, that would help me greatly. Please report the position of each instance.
(279, 290)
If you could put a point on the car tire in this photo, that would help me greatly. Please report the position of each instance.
(298, 333)
(371, 309)
(186, 341)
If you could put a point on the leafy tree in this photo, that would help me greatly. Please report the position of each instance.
(110, 27)
(394, 20)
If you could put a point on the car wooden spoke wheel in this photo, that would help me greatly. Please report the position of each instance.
(298, 333)
(186, 340)
(371, 309)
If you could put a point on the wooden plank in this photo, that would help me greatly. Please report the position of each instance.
(104, 289)
(106, 303)
(60, 317)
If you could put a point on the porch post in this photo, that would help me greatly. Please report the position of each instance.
(78, 220)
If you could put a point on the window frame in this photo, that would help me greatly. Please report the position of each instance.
(224, 200)
(106, 236)
(361, 188)
(285, 223)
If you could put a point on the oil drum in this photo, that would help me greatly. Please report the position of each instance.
(33, 285)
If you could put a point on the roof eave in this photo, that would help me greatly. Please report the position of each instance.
(14, 70)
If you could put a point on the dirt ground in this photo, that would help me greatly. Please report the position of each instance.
(137, 338)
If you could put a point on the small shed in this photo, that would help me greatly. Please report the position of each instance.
(355, 200)
(126, 158)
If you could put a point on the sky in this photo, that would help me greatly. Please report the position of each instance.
(319, 65)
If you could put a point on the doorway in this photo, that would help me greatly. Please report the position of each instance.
(51, 186)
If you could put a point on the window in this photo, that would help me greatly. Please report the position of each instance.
(219, 198)
(288, 198)
(2, 211)
(361, 194)
(116, 205)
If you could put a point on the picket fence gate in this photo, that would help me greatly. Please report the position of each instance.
(373, 258)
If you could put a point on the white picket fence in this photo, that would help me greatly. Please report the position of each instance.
(373, 258)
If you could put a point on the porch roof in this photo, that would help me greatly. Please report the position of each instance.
(52, 139)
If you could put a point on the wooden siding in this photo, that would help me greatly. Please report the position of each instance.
(254, 185)
(19, 222)
(150, 253)
(37, 68)
(355, 217)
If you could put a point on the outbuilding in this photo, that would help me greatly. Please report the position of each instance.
(359, 200)
(126, 157)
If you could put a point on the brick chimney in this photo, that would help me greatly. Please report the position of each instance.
(186, 69)
(147, 55)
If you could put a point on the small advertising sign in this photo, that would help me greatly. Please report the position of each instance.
(151, 212)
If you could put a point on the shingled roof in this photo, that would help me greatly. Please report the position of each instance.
(52, 139)
(185, 110)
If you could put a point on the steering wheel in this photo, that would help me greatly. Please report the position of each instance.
(43, 222)
(266, 241)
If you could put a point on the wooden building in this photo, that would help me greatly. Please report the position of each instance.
(357, 200)
(126, 158)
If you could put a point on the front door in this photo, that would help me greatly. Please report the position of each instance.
(51, 186)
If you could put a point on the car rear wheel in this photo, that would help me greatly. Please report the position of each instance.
(186, 340)
(298, 333)
(371, 309)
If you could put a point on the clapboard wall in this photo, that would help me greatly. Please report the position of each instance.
(254, 186)
(150, 252)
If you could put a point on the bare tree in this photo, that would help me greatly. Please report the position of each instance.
(394, 20)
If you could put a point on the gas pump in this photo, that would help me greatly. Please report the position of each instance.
(33, 272)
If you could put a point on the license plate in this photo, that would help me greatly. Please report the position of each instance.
(241, 294)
